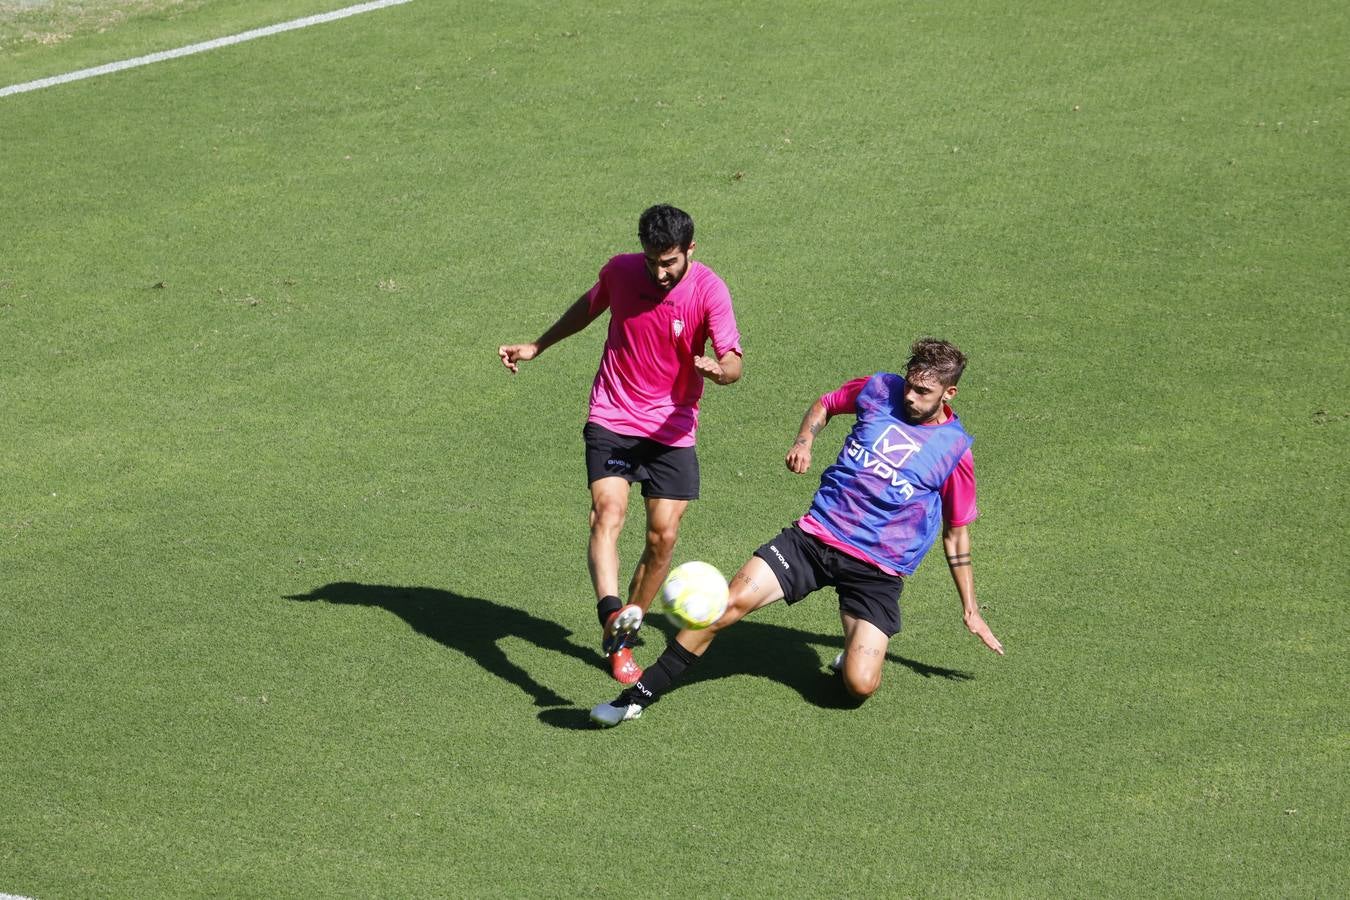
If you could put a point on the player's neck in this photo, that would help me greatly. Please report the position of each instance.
(941, 417)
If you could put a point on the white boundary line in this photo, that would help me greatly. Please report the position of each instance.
(199, 48)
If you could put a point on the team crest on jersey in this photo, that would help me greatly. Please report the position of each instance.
(677, 326)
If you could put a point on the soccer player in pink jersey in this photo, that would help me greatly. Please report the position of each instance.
(664, 309)
(905, 473)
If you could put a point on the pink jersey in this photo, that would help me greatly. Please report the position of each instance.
(647, 385)
(957, 492)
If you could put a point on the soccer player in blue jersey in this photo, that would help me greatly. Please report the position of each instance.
(905, 474)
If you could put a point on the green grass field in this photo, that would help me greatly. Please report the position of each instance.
(294, 598)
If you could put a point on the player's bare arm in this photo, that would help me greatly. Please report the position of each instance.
(577, 317)
(956, 544)
(799, 455)
(726, 370)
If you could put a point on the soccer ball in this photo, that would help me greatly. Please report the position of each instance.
(694, 595)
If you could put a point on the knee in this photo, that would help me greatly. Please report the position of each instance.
(861, 685)
(661, 541)
(607, 516)
(737, 606)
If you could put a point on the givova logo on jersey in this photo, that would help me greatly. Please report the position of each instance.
(888, 454)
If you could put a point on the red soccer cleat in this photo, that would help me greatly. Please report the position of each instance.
(624, 669)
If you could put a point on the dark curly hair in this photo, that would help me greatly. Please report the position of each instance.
(662, 227)
(940, 359)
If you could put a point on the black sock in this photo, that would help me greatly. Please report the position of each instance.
(607, 607)
(659, 676)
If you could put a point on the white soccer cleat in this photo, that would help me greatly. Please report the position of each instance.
(607, 715)
(838, 664)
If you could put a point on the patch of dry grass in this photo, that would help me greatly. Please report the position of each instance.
(49, 22)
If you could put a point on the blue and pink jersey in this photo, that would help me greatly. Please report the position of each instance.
(647, 385)
(885, 498)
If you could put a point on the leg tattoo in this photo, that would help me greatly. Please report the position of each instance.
(750, 582)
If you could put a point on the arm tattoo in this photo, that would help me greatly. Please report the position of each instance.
(956, 560)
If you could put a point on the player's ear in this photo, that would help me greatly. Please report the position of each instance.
(949, 393)
(690, 250)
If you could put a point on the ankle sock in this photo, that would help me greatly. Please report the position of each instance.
(607, 607)
(659, 676)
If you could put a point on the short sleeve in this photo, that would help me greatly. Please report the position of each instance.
(726, 337)
(597, 298)
(958, 493)
(843, 399)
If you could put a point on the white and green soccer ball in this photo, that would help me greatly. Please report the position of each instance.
(694, 595)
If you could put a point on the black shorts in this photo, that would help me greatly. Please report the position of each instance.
(804, 564)
(667, 473)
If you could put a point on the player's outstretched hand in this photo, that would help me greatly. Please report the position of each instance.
(975, 622)
(514, 354)
(799, 458)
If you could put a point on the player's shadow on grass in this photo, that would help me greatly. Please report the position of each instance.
(760, 650)
(471, 625)
(475, 626)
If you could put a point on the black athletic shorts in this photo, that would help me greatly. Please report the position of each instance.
(804, 564)
(668, 473)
